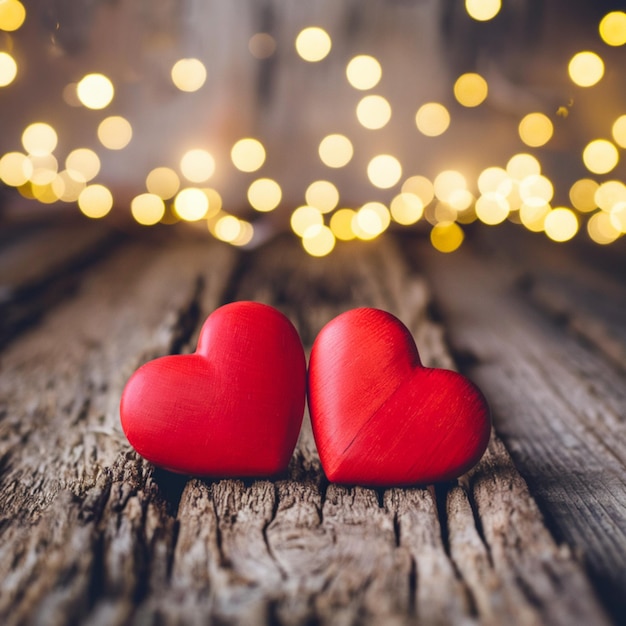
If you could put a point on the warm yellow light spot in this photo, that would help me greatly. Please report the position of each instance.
(264, 194)
(447, 182)
(443, 212)
(318, 240)
(335, 150)
(363, 72)
(82, 164)
(188, 74)
(492, 208)
(491, 178)
(460, 200)
(522, 165)
(384, 171)
(609, 193)
(535, 129)
(582, 195)
(322, 195)
(613, 28)
(45, 169)
(373, 112)
(248, 154)
(95, 91)
(446, 236)
(470, 89)
(560, 224)
(406, 208)
(39, 139)
(246, 233)
(421, 187)
(601, 229)
(197, 165)
(619, 131)
(95, 201)
(147, 209)
(46, 194)
(536, 189)
(215, 201)
(8, 69)
(191, 204)
(483, 10)
(600, 156)
(313, 44)
(15, 169)
(371, 220)
(115, 132)
(303, 217)
(586, 68)
(618, 216)
(341, 224)
(163, 182)
(533, 216)
(68, 189)
(262, 45)
(12, 15)
(228, 228)
(432, 119)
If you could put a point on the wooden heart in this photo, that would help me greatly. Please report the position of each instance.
(233, 408)
(379, 417)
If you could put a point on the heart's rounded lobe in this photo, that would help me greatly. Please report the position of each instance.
(233, 408)
(379, 418)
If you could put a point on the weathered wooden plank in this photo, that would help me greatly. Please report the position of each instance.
(558, 403)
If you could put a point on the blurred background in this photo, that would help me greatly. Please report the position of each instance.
(333, 120)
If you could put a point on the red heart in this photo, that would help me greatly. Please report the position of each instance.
(379, 417)
(234, 408)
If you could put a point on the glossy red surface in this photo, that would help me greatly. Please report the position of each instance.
(233, 408)
(380, 418)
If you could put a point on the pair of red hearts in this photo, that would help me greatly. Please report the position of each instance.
(235, 406)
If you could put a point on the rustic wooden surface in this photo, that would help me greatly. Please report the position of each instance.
(91, 534)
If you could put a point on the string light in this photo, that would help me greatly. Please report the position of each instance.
(582, 195)
(373, 112)
(147, 209)
(535, 129)
(15, 169)
(115, 132)
(82, 164)
(313, 44)
(336, 150)
(95, 201)
(318, 240)
(341, 224)
(384, 171)
(446, 236)
(95, 91)
(191, 204)
(619, 131)
(264, 194)
(600, 156)
(470, 89)
(197, 165)
(406, 208)
(613, 28)
(163, 182)
(586, 68)
(8, 69)
(364, 72)
(303, 217)
(12, 15)
(561, 224)
(188, 74)
(432, 119)
(248, 154)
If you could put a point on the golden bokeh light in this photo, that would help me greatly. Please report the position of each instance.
(39, 139)
(608, 194)
(420, 186)
(384, 171)
(191, 204)
(228, 228)
(371, 220)
(618, 131)
(68, 189)
(601, 229)
(364, 72)
(313, 44)
(163, 182)
(8, 69)
(406, 208)
(246, 234)
(613, 28)
(618, 216)
(262, 45)
(45, 169)
(373, 112)
(536, 189)
(446, 236)
(460, 200)
(115, 132)
(585, 68)
(336, 150)
(12, 15)
(188, 74)
(248, 154)
(82, 164)
(264, 194)
(600, 156)
(582, 195)
(46, 194)
(533, 216)
(303, 217)
(470, 89)
(560, 224)
(322, 195)
(95, 91)
(147, 209)
(318, 240)
(215, 202)
(483, 10)
(491, 178)
(432, 119)
(197, 165)
(492, 208)
(95, 201)
(535, 129)
(341, 224)
(15, 169)
(522, 165)
(447, 182)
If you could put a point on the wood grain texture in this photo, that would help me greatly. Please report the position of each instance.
(92, 534)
